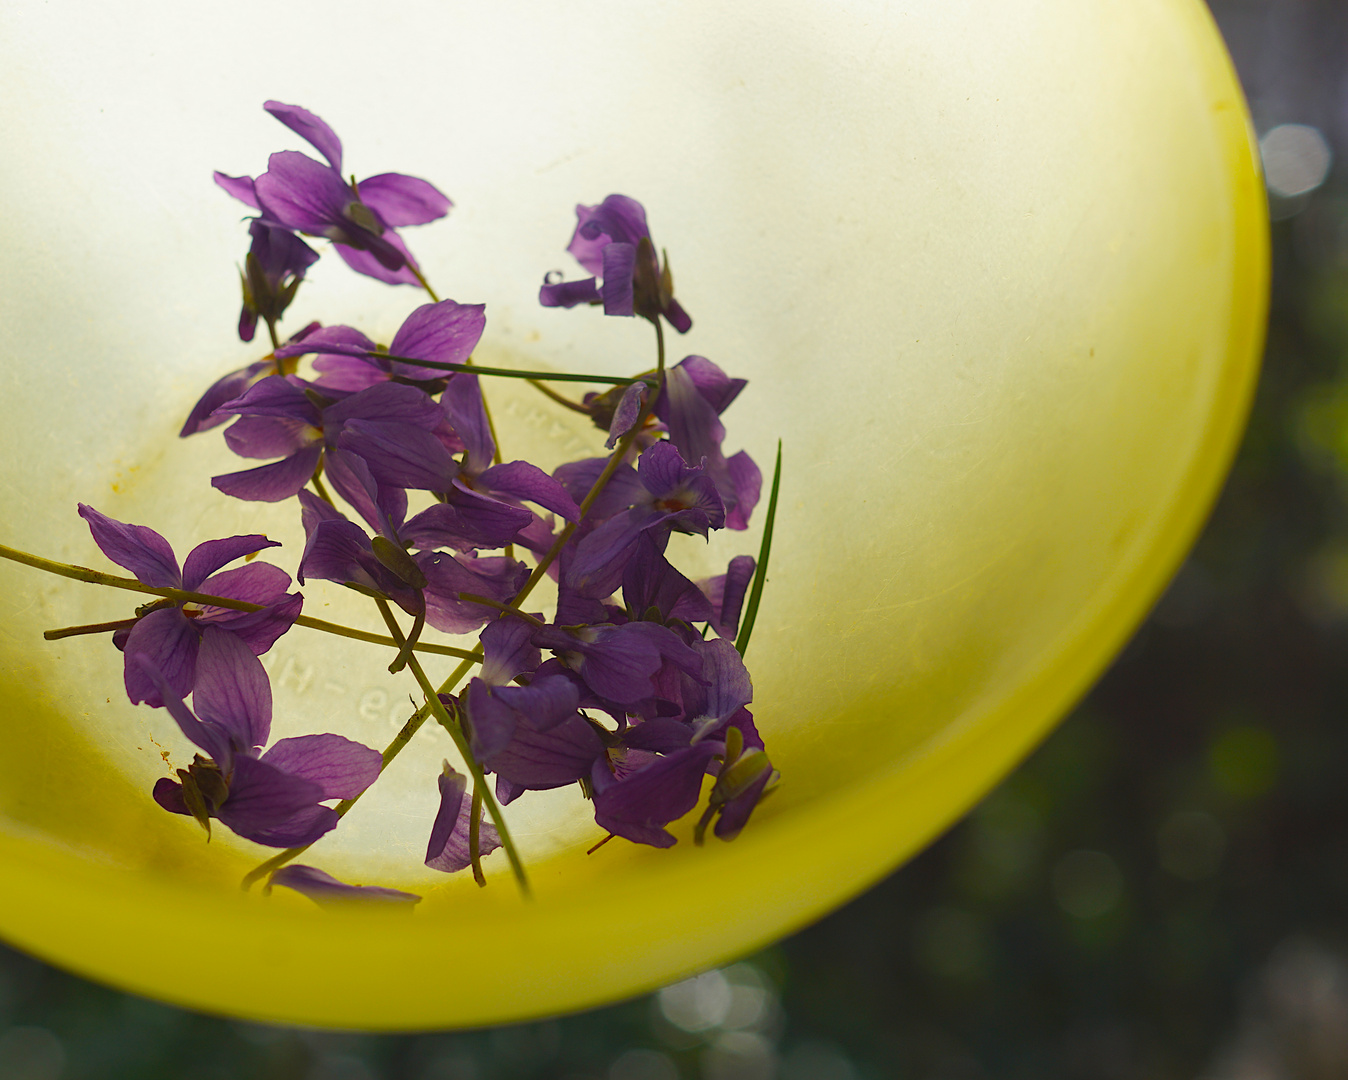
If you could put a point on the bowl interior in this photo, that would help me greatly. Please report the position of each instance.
(995, 273)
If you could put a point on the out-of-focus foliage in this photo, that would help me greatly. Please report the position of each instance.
(1160, 891)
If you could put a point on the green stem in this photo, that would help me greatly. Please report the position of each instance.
(97, 577)
(475, 839)
(509, 373)
(565, 402)
(89, 628)
(424, 283)
(460, 740)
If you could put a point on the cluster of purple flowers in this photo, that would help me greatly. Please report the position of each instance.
(634, 690)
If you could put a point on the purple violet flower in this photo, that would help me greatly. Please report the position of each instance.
(640, 802)
(275, 798)
(285, 417)
(326, 891)
(170, 634)
(273, 270)
(339, 550)
(480, 507)
(696, 393)
(301, 194)
(613, 242)
(672, 496)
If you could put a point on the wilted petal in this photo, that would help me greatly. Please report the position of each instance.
(448, 848)
(324, 889)
(138, 548)
(342, 768)
(726, 593)
(231, 689)
(403, 200)
(626, 414)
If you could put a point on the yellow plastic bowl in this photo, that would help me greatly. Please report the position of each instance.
(996, 272)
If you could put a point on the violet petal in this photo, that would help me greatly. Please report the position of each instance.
(168, 640)
(272, 483)
(342, 768)
(403, 200)
(137, 547)
(205, 559)
(638, 806)
(528, 483)
(538, 760)
(241, 187)
(448, 849)
(324, 889)
(231, 689)
(273, 807)
(311, 128)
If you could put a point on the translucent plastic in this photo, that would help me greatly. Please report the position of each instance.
(996, 271)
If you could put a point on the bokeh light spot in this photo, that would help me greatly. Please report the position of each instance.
(1191, 845)
(1244, 761)
(1296, 159)
(1087, 884)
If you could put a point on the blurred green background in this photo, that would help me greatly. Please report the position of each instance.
(1160, 891)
